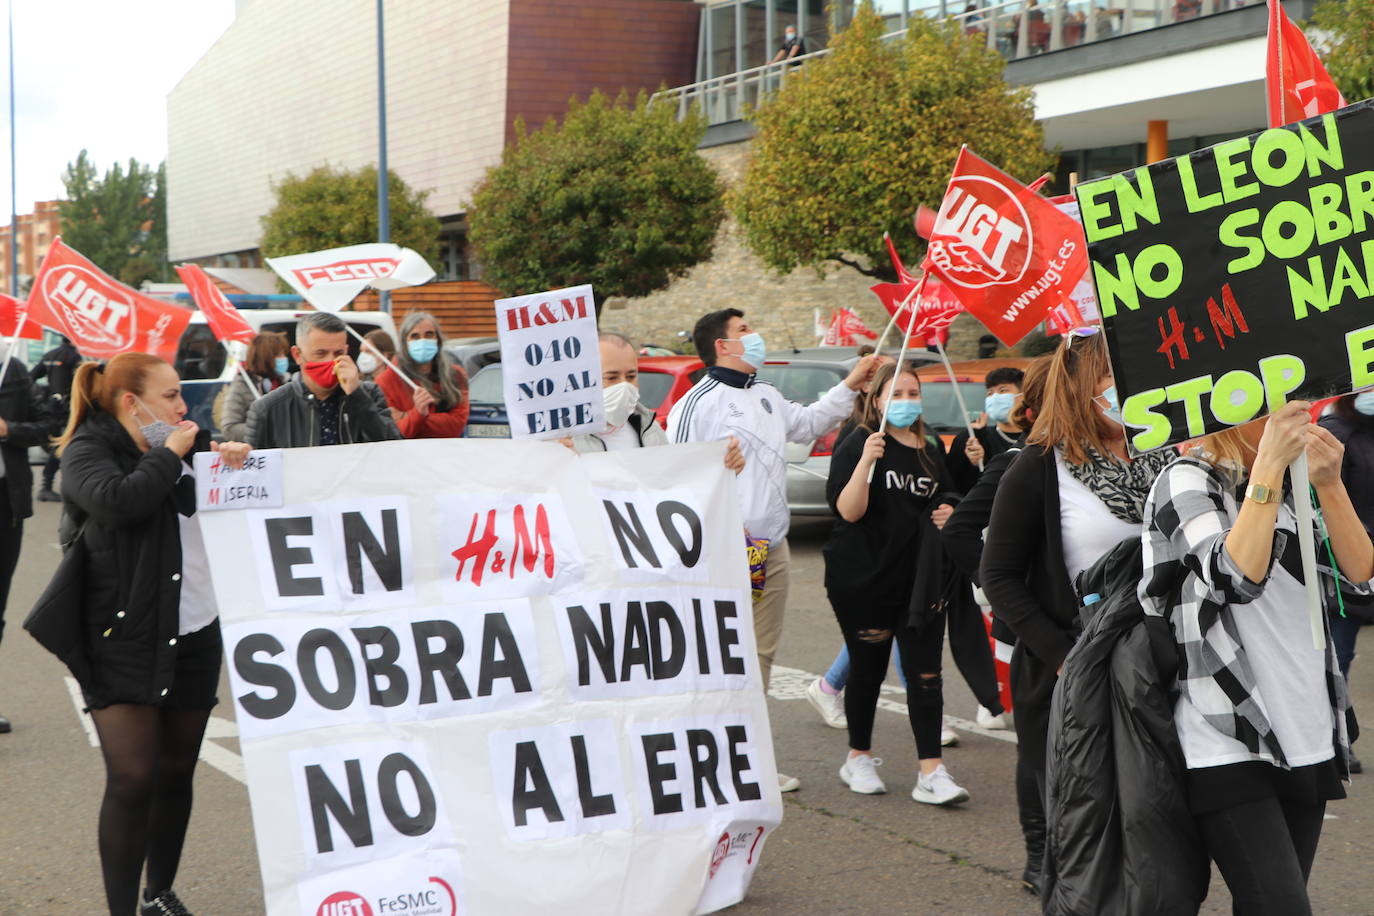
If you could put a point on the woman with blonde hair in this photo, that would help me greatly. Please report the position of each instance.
(1068, 498)
(145, 646)
(438, 407)
(1261, 713)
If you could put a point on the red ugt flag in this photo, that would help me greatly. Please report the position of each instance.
(1296, 83)
(11, 314)
(99, 315)
(1005, 252)
(224, 320)
(844, 327)
(935, 311)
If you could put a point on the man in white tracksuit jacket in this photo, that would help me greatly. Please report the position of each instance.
(730, 401)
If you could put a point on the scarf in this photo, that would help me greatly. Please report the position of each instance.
(1122, 485)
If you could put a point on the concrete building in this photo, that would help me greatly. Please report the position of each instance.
(36, 232)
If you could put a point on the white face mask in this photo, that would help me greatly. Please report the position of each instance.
(367, 363)
(621, 400)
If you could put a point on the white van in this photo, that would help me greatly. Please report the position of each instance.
(206, 366)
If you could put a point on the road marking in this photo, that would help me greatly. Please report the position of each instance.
(216, 755)
(791, 683)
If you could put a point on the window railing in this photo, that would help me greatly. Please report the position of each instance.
(1016, 29)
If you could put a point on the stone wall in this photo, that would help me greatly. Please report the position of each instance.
(782, 309)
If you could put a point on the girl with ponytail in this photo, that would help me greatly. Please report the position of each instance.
(148, 632)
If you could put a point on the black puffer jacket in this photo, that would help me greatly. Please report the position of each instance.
(129, 503)
(1121, 839)
(32, 421)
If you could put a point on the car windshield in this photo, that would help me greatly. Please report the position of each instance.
(653, 388)
(802, 384)
(485, 387)
(941, 410)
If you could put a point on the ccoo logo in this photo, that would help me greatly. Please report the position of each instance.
(91, 310)
(982, 235)
(344, 903)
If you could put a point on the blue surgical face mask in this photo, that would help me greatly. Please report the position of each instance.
(1364, 403)
(1113, 411)
(422, 350)
(281, 364)
(754, 349)
(998, 406)
(902, 414)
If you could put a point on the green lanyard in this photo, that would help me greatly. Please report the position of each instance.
(1330, 552)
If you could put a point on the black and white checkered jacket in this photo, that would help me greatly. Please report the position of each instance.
(1188, 515)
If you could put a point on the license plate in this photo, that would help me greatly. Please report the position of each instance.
(488, 431)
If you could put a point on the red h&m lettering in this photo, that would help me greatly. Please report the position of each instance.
(547, 313)
(526, 549)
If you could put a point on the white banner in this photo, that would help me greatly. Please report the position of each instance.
(332, 278)
(551, 363)
(496, 677)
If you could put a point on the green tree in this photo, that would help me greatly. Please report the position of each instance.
(118, 220)
(854, 141)
(1344, 32)
(616, 196)
(330, 208)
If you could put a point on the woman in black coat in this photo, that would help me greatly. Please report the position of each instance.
(150, 638)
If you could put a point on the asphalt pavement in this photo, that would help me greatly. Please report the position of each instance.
(836, 852)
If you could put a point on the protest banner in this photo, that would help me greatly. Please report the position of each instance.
(257, 484)
(551, 363)
(497, 677)
(332, 278)
(99, 315)
(1237, 277)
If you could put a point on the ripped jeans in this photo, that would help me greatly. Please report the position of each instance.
(869, 650)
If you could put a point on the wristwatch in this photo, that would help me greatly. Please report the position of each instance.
(1259, 493)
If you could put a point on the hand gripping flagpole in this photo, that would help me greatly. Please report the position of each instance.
(958, 393)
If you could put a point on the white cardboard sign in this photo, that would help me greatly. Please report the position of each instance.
(551, 363)
(257, 484)
(421, 738)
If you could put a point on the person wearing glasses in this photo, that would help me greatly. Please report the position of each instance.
(1070, 496)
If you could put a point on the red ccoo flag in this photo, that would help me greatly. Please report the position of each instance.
(99, 315)
(1296, 83)
(11, 314)
(224, 320)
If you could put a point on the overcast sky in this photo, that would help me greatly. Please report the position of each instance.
(95, 74)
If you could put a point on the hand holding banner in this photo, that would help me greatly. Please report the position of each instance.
(332, 278)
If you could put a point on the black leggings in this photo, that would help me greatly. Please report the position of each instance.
(1264, 849)
(921, 656)
(150, 759)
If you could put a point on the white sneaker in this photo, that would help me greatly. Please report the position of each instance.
(860, 773)
(938, 788)
(788, 783)
(986, 719)
(829, 705)
(948, 737)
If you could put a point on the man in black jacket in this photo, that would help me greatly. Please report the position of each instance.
(26, 420)
(327, 403)
(58, 366)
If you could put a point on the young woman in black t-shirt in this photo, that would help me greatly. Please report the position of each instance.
(884, 541)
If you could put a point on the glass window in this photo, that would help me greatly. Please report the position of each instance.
(1109, 160)
(817, 29)
(721, 35)
(940, 409)
(199, 355)
(756, 49)
(654, 387)
(803, 384)
(486, 386)
(891, 11)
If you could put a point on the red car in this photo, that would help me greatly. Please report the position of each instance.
(665, 379)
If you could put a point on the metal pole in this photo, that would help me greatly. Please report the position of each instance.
(14, 199)
(383, 185)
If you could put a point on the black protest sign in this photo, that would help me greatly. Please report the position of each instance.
(1237, 277)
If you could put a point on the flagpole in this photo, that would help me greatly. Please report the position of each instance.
(958, 393)
(901, 355)
(395, 368)
(9, 349)
(14, 194)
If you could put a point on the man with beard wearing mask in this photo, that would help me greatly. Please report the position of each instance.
(326, 403)
(730, 402)
(629, 424)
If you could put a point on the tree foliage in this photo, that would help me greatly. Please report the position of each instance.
(615, 196)
(854, 141)
(1346, 38)
(118, 220)
(330, 208)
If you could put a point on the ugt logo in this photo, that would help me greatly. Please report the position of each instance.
(344, 903)
(90, 308)
(982, 236)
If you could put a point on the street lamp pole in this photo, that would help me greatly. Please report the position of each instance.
(383, 185)
(14, 202)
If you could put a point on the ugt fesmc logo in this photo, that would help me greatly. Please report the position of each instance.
(344, 271)
(91, 309)
(434, 899)
(982, 236)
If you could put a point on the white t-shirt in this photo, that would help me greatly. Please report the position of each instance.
(622, 437)
(198, 608)
(1088, 527)
(1290, 682)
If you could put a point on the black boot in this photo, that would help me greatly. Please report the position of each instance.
(5, 728)
(1032, 816)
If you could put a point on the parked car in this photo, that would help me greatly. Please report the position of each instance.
(473, 353)
(808, 464)
(941, 408)
(487, 418)
(850, 355)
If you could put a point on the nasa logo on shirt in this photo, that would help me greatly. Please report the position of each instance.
(767, 405)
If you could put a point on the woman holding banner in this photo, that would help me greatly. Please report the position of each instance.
(264, 370)
(438, 408)
(1070, 496)
(1261, 715)
(885, 541)
(148, 627)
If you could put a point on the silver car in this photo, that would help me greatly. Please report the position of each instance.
(808, 464)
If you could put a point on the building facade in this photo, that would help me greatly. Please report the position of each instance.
(36, 232)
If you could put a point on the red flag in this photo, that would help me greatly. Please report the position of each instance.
(1004, 251)
(1296, 83)
(224, 320)
(845, 326)
(99, 315)
(936, 309)
(11, 313)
